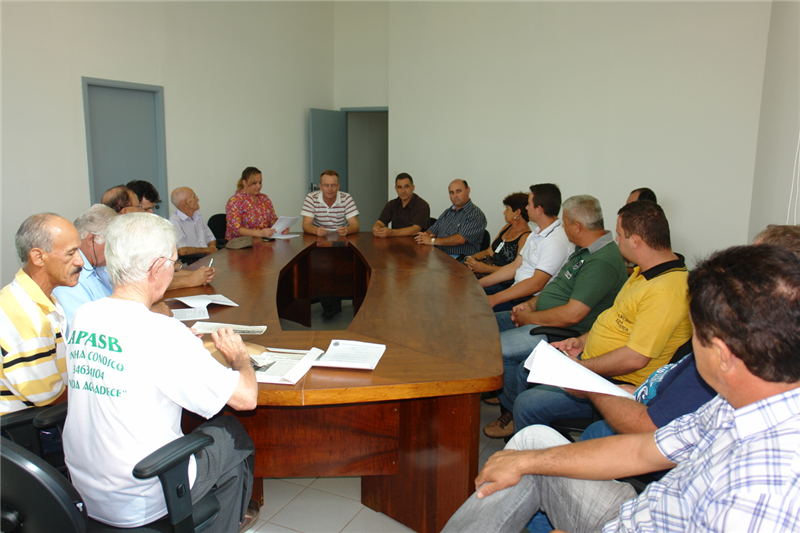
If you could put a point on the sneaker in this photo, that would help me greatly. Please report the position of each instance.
(502, 427)
(494, 400)
(250, 516)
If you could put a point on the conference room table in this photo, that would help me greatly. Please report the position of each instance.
(410, 427)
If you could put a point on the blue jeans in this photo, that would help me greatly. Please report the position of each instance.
(572, 504)
(517, 344)
(541, 404)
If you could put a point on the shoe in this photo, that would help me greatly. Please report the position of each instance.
(502, 427)
(250, 516)
(327, 314)
(494, 400)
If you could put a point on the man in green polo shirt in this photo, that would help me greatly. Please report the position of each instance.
(585, 287)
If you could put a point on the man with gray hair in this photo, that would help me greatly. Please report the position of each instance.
(585, 287)
(32, 322)
(93, 283)
(132, 372)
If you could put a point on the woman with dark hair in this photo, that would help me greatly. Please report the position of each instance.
(509, 241)
(248, 212)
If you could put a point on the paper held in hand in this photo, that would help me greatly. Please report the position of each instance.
(211, 327)
(351, 354)
(283, 367)
(203, 300)
(550, 366)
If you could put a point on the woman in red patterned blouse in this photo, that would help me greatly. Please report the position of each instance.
(249, 213)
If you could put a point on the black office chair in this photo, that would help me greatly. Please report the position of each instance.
(18, 428)
(36, 497)
(217, 224)
(486, 241)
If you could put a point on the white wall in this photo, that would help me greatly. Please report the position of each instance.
(779, 126)
(238, 81)
(599, 98)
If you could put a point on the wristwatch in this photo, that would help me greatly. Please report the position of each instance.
(433, 241)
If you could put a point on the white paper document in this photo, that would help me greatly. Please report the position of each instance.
(283, 223)
(203, 300)
(211, 327)
(193, 313)
(281, 236)
(550, 366)
(283, 368)
(351, 354)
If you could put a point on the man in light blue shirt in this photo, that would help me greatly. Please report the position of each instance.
(93, 283)
(194, 236)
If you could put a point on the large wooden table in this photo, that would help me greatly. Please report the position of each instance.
(409, 428)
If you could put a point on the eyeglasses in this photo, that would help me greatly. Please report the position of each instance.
(177, 265)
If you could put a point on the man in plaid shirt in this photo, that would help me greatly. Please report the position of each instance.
(735, 461)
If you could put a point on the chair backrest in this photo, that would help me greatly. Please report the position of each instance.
(486, 241)
(217, 224)
(36, 495)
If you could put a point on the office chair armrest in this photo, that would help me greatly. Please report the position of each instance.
(19, 418)
(171, 455)
(51, 417)
(555, 334)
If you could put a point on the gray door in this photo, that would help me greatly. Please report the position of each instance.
(368, 163)
(328, 144)
(125, 136)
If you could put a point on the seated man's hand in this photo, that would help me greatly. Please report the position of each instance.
(573, 346)
(502, 470)
(321, 232)
(202, 276)
(285, 232)
(342, 231)
(381, 232)
(231, 346)
(423, 237)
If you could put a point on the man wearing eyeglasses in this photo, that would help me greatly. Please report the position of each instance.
(147, 195)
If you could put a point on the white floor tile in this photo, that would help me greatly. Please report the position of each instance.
(255, 526)
(303, 481)
(349, 487)
(274, 528)
(368, 521)
(493, 447)
(277, 493)
(314, 511)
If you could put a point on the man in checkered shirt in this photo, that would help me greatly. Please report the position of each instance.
(735, 461)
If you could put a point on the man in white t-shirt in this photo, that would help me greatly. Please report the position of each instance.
(543, 255)
(131, 372)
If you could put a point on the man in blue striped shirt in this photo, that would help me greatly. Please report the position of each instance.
(734, 461)
(459, 230)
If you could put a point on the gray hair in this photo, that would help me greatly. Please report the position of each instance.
(95, 220)
(34, 232)
(133, 243)
(585, 210)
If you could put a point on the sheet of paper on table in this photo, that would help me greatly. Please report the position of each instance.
(193, 313)
(284, 237)
(550, 366)
(211, 327)
(283, 223)
(203, 300)
(351, 354)
(283, 367)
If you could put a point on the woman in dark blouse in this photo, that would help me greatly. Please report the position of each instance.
(508, 242)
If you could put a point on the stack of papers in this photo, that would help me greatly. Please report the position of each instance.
(550, 366)
(198, 306)
(283, 366)
(282, 224)
(351, 354)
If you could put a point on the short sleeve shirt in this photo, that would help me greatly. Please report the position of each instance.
(469, 222)
(248, 211)
(192, 231)
(415, 213)
(331, 217)
(592, 275)
(546, 250)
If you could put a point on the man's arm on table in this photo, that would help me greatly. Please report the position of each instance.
(230, 345)
(598, 459)
(311, 229)
(379, 229)
(526, 287)
(451, 240)
(562, 316)
(352, 227)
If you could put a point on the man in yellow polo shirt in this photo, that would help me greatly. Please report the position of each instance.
(640, 333)
(32, 323)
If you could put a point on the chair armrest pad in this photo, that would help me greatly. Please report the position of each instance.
(51, 416)
(171, 455)
(19, 418)
(565, 333)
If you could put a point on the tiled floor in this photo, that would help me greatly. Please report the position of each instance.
(333, 505)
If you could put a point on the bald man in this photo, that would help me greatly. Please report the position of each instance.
(459, 230)
(194, 236)
(122, 200)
